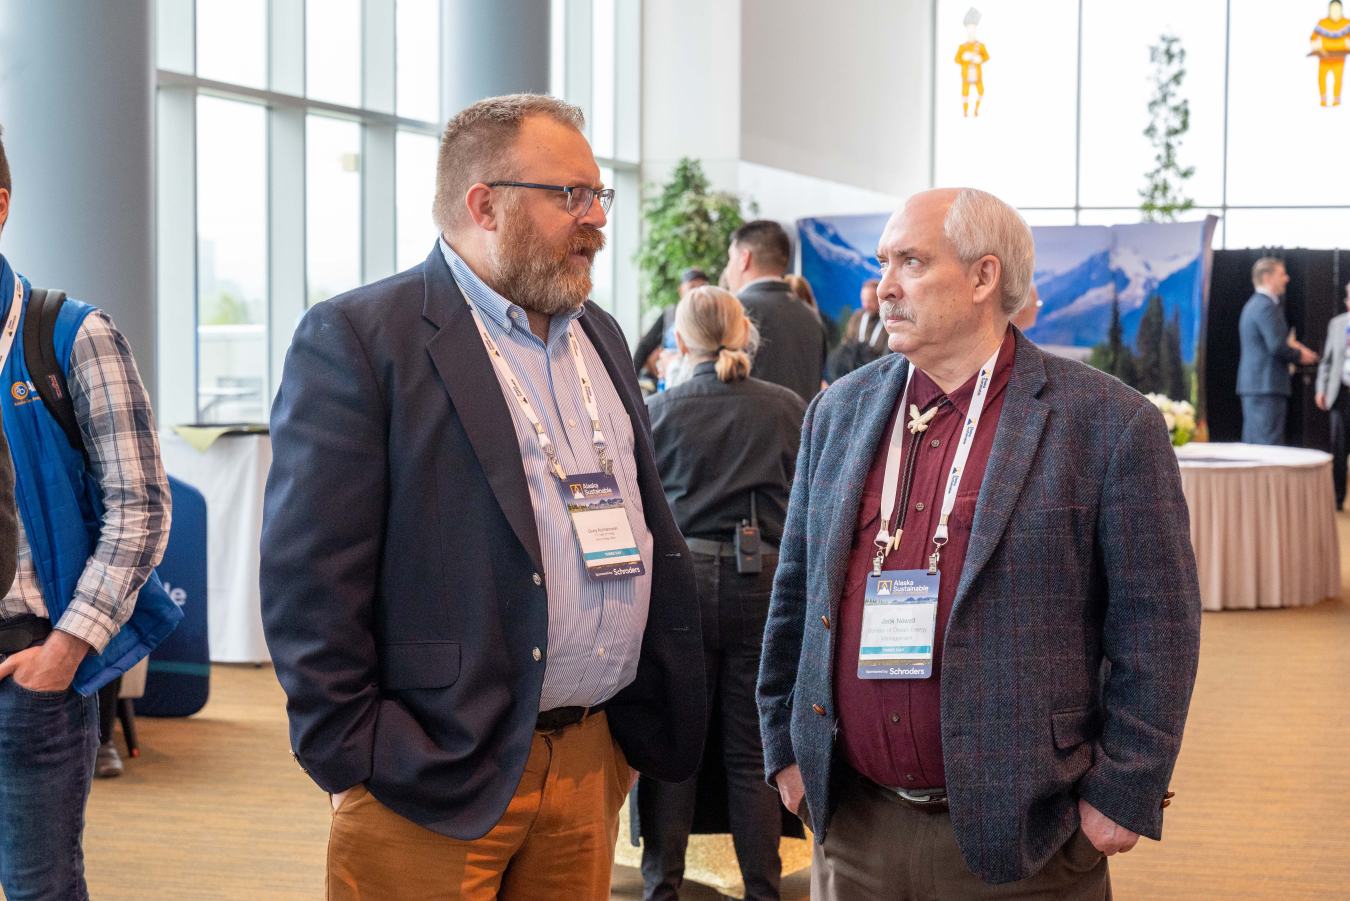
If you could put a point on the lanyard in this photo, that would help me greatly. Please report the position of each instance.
(876, 330)
(11, 322)
(587, 393)
(890, 495)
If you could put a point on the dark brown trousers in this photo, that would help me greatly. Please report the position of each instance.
(879, 848)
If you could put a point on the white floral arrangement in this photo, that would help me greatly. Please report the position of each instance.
(1179, 416)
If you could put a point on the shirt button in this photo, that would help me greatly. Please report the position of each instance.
(910, 778)
(895, 718)
(826, 621)
(935, 442)
(572, 423)
(538, 655)
(538, 580)
(601, 652)
(818, 709)
(515, 315)
(919, 506)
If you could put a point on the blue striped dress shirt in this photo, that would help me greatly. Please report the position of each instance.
(594, 628)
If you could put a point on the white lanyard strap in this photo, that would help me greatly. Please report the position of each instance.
(588, 396)
(890, 492)
(540, 433)
(11, 321)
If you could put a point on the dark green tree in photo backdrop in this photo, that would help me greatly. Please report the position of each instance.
(1154, 366)
(687, 224)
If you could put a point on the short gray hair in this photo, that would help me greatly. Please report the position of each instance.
(981, 225)
(1263, 267)
(476, 146)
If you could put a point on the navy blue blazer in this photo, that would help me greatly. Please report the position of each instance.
(1263, 367)
(400, 563)
(1080, 554)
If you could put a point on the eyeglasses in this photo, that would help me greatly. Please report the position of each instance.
(579, 197)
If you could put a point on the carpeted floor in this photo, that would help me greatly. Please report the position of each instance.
(214, 808)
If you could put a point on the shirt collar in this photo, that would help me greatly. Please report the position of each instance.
(924, 392)
(707, 367)
(762, 278)
(1273, 298)
(487, 301)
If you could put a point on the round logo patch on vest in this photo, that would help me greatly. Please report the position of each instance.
(19, 390)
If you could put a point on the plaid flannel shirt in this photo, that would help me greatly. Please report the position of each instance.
(114, 415)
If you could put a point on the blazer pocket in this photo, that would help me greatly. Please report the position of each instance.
(421, 664)
(1071, 727)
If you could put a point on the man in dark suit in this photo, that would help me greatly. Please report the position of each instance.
(473, 657)
(792, 340)
(865, 326)
(1268, 354)
(986, 618)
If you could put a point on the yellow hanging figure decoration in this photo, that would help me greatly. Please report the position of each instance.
(1330, 43)
(972, 56)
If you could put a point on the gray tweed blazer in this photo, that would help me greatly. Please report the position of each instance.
(1072, 646)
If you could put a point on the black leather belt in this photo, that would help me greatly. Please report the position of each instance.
(724, 548)
(560, 718)
(929, 800)
(22, 632)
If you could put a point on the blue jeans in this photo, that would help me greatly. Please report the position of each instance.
(48, 740)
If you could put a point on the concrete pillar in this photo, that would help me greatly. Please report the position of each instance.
(493, 48)
(76, 102)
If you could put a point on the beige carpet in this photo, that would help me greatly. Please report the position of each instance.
(215, 809)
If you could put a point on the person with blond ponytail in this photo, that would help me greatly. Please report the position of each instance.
(726, 451)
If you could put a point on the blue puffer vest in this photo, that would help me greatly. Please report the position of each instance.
(61, 503)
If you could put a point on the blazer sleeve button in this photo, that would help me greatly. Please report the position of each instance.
(818, 709)
(537, 654)
(538, 580)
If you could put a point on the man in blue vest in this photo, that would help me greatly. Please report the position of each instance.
(85, 605)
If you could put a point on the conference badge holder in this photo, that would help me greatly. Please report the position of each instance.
(899, 621)
(595, 506)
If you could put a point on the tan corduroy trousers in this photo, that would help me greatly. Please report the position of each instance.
(556, 839)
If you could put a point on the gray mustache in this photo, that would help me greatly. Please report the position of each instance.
(892, 310)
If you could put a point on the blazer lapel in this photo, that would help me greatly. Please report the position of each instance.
(1020, 426)
(862, 436)
(462, 362)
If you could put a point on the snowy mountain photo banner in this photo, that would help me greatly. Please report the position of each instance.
(1129, 299)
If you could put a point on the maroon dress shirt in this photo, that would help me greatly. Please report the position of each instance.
(890, 730)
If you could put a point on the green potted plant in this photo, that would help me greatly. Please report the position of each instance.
(687, 224)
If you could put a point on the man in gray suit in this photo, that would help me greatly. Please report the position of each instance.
(1332, 375)
(985, 622)
(792, 340)
(1268, 352)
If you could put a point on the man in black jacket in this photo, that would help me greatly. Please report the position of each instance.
(469, 678)
(792, 340)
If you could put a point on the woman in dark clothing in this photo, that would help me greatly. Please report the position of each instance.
(726, 448)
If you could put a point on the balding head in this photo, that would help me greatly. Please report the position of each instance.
(956, 263)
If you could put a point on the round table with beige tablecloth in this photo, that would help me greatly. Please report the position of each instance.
(1263, 524)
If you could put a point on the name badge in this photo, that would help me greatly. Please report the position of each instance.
(595, 505)
(899, 623)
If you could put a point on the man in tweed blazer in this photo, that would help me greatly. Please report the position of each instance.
(1068, 624)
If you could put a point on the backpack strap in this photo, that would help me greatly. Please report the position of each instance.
(45, 370)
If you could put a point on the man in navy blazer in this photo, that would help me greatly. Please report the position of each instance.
(1268, 352)
(1030, 718)
(472, 684)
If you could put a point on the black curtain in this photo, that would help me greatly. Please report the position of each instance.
(1315, 294)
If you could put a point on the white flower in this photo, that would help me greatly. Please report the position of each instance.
(1170, 420)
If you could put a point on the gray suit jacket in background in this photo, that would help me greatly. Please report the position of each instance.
(1329, 371)
(792, 341)
(1263, 367)
(1080, 555)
